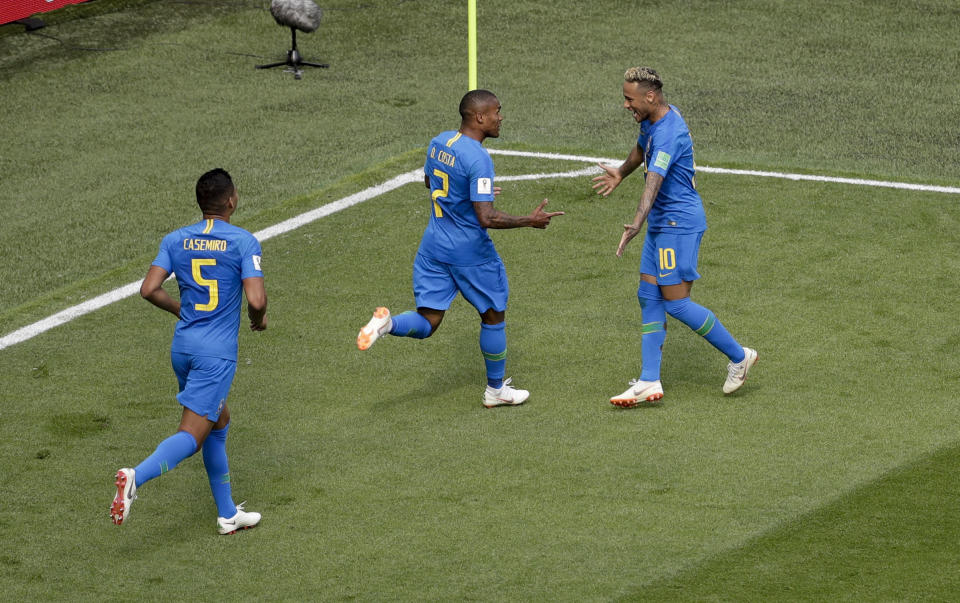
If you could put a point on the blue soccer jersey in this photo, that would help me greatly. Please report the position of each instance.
(211, 259)
(668, 150)
(460, 172)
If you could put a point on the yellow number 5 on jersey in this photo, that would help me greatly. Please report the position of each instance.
(440, 192)
(210, 284)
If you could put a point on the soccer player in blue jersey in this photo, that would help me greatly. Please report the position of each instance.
(676, 222)
(215, 263)
(456, 253)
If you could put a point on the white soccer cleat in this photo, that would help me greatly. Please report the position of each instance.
(639, 391)
(737, 371)
(241, 521)
(126, 493)
(378, 325)
(505, 396)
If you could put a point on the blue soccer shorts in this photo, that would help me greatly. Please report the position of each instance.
(204, 382)
(670, 257)
(435, 284)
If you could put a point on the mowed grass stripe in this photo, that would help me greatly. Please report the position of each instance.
(893, 539)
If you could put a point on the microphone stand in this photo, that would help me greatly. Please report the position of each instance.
(294, 62)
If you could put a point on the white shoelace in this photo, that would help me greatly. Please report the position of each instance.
(735, 369)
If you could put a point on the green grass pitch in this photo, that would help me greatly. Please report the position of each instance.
(830, 476)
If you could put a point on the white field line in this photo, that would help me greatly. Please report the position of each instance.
(129, 289)
(573, 174)
(714, 170)
(331, 208)
(65, 316)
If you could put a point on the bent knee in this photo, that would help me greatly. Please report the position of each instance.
(676, 307)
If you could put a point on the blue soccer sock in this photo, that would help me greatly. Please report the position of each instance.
(704, 323)
(218, 471)
(168, 453)
(493, 346)
(411, 324)
(654, 319)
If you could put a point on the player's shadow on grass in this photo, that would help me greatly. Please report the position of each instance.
(640, 407)
(441, 389)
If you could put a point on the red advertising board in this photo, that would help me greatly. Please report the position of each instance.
(11, 10)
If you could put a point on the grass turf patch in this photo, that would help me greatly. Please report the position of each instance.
(889, 540)
(381, 476)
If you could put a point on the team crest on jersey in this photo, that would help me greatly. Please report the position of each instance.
(484, 186)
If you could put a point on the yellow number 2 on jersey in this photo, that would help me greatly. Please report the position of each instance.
(440, 192)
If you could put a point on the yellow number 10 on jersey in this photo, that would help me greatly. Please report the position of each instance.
(210, 284)
(440, 192)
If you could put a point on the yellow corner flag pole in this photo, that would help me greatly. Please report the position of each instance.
(472, 42)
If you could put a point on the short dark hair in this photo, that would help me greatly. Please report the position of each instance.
(213, 190)
(473, 101)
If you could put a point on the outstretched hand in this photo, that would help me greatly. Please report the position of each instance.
(540, 218)
(607, 181)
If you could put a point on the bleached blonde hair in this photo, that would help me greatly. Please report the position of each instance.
(645, 76)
